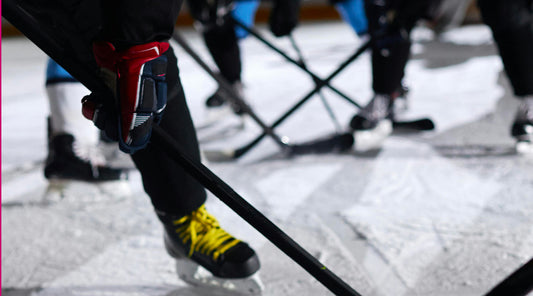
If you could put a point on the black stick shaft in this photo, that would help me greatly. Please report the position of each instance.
(320, 84)
(318, 80)
(54, 47)
(519, 283)
(327, 106)
(227, 87)
(255, 218)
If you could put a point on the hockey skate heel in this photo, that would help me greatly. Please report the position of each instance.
(522, 128)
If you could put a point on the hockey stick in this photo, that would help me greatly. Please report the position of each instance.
(338, 142)
(234, 97)
(43, 37)
(319, 81)
(422, 124)
(519, 283)
(302, 62)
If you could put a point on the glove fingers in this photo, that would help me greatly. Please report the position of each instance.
(102, 113)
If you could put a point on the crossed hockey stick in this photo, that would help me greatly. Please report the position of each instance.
(338, 142)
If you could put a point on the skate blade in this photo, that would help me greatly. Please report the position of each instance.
(80, 191)
(524, 148)
(194, 274)
(372, 139)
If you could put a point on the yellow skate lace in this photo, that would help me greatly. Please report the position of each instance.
(204, 233)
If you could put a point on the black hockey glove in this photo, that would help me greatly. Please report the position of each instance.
(284, 16)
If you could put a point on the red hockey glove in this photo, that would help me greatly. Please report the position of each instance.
(137, 78)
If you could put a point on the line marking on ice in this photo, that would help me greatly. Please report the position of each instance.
(137, 266)
(412, 192)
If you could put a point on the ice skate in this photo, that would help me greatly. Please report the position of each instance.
(522, 129)
(209, 257)
(400, 103)
(373, 124)
(219, 109)
(401, 121)
(69, 165)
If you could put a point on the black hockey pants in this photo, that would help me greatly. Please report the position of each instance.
(220, 38)
(511, 22)
(132, 22)
(391, 44)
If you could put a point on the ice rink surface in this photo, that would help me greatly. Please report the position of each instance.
(446, 212)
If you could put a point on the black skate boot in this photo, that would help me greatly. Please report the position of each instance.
(522, 129)
(381, 107)
(63, 162)
(197, 239)
(373, 124)
(223, 117)
(219, 108)
(377, 110)
(222, 99)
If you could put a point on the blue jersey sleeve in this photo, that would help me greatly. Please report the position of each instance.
(244, 12)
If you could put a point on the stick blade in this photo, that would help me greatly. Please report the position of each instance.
(328, 144)
(423, 124)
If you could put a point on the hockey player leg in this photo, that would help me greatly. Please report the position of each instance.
(522, 129)
(221, 115)
(221, 39)
(73, 151)
(511, 23)
(372, 124)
